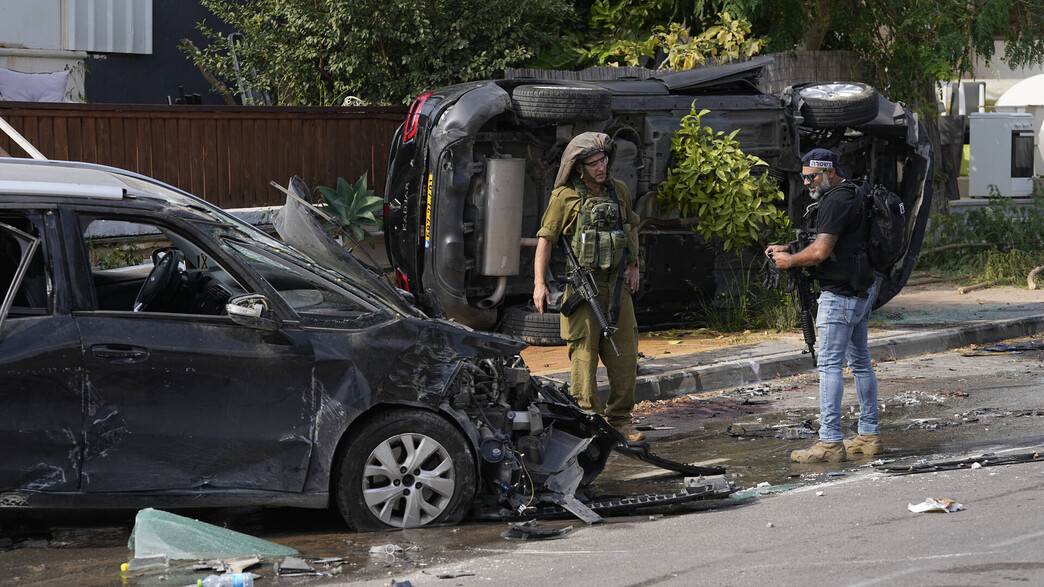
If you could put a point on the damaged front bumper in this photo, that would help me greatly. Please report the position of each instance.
(538, 450)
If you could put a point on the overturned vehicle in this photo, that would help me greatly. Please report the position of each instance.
(471, 171)
(213, 365)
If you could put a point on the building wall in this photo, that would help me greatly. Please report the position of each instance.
(153, 79)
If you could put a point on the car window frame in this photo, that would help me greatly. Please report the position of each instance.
(29, 244)
(73, 218)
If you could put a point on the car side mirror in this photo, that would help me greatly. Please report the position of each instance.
(251, 311)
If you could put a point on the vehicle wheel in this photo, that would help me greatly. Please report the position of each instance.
(562, 102)
(533, 327)
(405, 469)
(838, 104)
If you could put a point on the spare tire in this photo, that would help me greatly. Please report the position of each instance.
(532, 327)
(552, 103)
(838, 104)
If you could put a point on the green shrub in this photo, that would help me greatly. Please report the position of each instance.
(728, 191)
(997, 242)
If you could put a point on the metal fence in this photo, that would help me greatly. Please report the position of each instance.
(223, 154)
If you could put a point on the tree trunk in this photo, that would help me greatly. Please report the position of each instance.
(812, 40)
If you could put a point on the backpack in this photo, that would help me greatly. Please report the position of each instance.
(886, 230)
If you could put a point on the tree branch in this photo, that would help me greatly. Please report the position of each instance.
(220, 87)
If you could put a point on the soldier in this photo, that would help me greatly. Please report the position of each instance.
(594, 211)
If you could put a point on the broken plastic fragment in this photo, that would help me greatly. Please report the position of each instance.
(385, 549)
(758, 491)
(935, 504)
(180, 538)
(530, 531)
(293, 565)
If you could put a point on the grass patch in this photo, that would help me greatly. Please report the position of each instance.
(746, 302)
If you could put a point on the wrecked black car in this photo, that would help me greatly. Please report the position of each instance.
(157, 352)
(471, 171)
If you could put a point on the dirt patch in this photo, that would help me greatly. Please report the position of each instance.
(544, 360)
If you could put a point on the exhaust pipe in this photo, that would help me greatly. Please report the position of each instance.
(497, 295)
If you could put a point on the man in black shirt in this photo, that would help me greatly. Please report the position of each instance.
(847, 286)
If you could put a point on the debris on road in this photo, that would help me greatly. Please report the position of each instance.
(985, 460)
(532, 531)
(146, 562)
(935, 504)
(293, 566)
(763, 489)
(180, 538)
(232, 565)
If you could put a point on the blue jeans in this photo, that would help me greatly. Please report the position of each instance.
(842, 325)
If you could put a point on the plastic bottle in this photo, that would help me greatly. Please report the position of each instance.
(227, 580)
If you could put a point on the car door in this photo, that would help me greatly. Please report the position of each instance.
(41, 378)
(188, 400)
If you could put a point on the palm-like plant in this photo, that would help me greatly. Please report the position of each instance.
(354, 207)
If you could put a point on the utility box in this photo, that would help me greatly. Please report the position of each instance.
(1001, 153)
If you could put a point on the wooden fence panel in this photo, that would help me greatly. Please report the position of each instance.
(223, 154)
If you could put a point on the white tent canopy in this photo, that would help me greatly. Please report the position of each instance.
(1028, 92)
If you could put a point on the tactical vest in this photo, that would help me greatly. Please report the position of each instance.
(600, 240)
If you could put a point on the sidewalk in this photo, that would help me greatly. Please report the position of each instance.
(920, 320)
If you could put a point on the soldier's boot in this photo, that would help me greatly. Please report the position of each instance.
(631, 436)
(821, 452)
(865, 444)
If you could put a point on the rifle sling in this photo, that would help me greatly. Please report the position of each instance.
(614, 304)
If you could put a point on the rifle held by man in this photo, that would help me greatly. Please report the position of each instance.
(798, 281)
(585, 291)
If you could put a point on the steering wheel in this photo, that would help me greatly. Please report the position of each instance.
(162, 281)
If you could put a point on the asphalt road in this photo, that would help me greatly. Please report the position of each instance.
(853, 529)
(848, 529)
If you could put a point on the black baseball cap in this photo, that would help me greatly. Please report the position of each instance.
(822, 159)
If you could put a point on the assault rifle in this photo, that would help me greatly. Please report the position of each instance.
(799, 281)
(585, 291)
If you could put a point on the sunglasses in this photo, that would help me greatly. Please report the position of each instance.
(810, 177)
(602, 162)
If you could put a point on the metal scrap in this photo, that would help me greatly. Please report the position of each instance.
(985, 460)
(531, 531)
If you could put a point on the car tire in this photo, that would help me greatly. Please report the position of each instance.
(533, 327)
(551, 103)
(838, 104)
(436, 491)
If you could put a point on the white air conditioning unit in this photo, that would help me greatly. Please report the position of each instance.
(1001, 153)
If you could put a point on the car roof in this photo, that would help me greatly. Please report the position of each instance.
(73, 180)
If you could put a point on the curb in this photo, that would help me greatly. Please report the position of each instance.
(678, 382)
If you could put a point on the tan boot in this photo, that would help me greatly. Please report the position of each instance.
(631, 436)
(865, 444)
(821, 452)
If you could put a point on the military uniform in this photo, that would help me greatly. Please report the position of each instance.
(581, 329)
